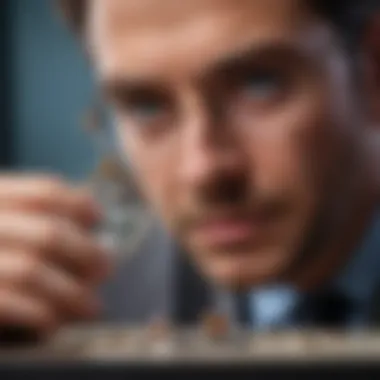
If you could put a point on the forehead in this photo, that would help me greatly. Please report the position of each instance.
(171, 38)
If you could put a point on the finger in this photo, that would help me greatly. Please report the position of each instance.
(20, 310)
(48, 195)
(67, 296)
(58, 241)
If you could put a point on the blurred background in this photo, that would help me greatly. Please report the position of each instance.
(45, 87)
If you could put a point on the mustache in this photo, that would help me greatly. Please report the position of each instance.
(261, 207)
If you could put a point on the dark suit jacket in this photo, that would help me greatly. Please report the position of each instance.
(159, 281)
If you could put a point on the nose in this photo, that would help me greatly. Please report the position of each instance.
(209, 150)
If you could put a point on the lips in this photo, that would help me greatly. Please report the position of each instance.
(226, 232)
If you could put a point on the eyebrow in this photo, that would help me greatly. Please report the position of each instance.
(123, 87)
(277, 51)
(260, 54)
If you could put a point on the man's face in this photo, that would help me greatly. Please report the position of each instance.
(235, 115)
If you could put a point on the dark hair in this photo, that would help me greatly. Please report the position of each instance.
(349, 17)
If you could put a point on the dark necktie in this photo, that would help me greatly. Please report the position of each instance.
(324, 310)
(243, 310)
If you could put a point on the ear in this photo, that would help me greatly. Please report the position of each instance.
(371, 50)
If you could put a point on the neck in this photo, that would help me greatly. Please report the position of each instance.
(354, 215)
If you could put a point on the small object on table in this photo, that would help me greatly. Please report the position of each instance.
(159, 328)
(215, 326)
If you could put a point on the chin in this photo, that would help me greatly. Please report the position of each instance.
(241, 272)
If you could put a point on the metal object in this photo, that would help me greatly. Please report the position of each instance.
(127, 218)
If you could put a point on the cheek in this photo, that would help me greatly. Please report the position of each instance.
(282, 158)
(291, 153)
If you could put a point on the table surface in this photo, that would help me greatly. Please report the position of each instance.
(142, 344)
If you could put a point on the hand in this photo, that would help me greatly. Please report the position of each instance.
(50, 264)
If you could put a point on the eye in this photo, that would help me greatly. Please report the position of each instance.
(260, 86)
(142, 107)
(146, 110)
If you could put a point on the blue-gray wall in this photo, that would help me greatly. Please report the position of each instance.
(51, 87)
